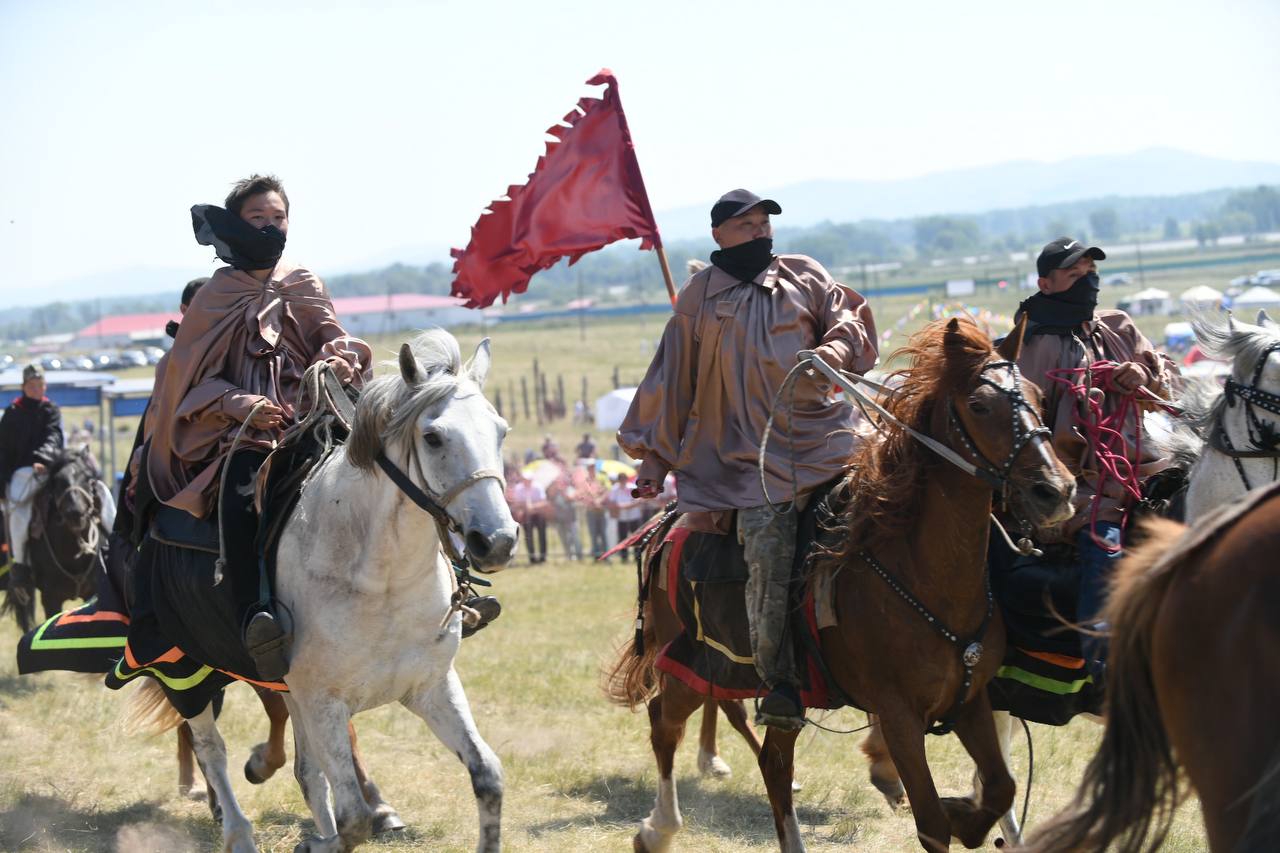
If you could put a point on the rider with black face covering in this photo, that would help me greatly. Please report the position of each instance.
(738, 327)
(1067, 330)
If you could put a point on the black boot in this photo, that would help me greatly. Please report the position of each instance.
(268, 644)
(489, 609)
(781, 709)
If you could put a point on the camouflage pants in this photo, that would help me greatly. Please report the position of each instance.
(769, 543)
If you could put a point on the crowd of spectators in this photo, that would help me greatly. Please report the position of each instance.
(589, 508)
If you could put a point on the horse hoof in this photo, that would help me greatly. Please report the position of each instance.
(796, 786)
(196, 794)
(715, 766)
(388, 824)
(252, 775)
(894, 793)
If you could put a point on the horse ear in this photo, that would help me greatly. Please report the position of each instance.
(1231, 322)
(409, 366)
(478, 368)
(1265, 321)
(1011, 347)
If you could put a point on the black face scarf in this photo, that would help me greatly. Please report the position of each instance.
(236, 241)
(747, 260)
(1065, 310)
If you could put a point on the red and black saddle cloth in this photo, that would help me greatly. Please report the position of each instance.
(703, 576)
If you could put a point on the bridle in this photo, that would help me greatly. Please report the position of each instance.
(1263, 437)
(437, 504)
(85, 547)
(970, 649)
(997, 476)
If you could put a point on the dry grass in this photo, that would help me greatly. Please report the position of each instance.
(579, 773)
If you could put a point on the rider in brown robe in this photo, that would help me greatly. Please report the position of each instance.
(235, 369)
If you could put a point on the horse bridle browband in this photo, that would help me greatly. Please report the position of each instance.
(1264, 437)
(437, 505)
(998, 476)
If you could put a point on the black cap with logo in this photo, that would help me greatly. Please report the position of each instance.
(1064, 252)
(737, 202)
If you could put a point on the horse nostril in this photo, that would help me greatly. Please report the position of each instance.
(478, 545)
(1046, 494)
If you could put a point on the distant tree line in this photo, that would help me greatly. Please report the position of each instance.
(1203, 216)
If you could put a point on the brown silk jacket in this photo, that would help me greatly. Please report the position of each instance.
(240, 340)
(703, 404)
(1110, 336)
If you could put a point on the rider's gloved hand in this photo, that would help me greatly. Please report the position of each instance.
(646, 489)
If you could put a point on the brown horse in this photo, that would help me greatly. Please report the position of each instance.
(967, 396)
(1191, 683)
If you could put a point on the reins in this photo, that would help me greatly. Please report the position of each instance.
(970, 650)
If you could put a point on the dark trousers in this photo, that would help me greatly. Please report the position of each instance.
(596, 527)
(536, 524)
(240, 531)
(625, 529)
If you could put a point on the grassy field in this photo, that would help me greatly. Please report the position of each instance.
(579, 772)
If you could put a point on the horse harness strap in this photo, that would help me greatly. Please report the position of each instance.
(1263, 436)
(970, 651)
(989, 472)
(436, 505)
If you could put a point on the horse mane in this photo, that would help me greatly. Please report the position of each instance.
(1244, 345)
(388, 408)
(78, 457)
(886, 481)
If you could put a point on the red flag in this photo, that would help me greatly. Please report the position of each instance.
(583, 194)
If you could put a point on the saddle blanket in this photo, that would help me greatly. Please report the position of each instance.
(703, 576)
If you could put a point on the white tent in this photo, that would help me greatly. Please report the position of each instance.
(1257, 297)
(1201, 296)
(612, 408)
(1153, 300)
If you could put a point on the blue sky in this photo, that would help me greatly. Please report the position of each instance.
(393, 124)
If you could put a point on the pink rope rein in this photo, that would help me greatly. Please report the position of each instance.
(1103, 433)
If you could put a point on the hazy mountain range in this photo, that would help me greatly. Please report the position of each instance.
(1024, 183)
(1151, 172)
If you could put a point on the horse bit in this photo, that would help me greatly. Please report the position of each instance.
(1264, 437)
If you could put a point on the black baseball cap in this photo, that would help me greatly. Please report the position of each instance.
(1064, 252)
(737, 202)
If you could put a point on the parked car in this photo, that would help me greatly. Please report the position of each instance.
(154, 354)
(6, 361)
(81, 362)
(51, 362)
(133, 358)
(105, 360)
(1118, 278)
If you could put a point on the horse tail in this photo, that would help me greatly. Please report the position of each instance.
(1130, 788)
(632, 680)
(149, 711)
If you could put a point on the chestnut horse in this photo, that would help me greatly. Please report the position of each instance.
(964, 395)
(1191, 683)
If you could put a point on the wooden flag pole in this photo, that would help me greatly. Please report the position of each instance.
(666, 274)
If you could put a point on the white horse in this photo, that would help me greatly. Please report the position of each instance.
(360, 569)
(1254, 351)
(1213, 479)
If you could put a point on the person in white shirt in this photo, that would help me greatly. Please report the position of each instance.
(528, 503)
(627, 510)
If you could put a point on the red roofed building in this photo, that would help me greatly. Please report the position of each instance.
(396, 312)
(360, 315)
(123, 331)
